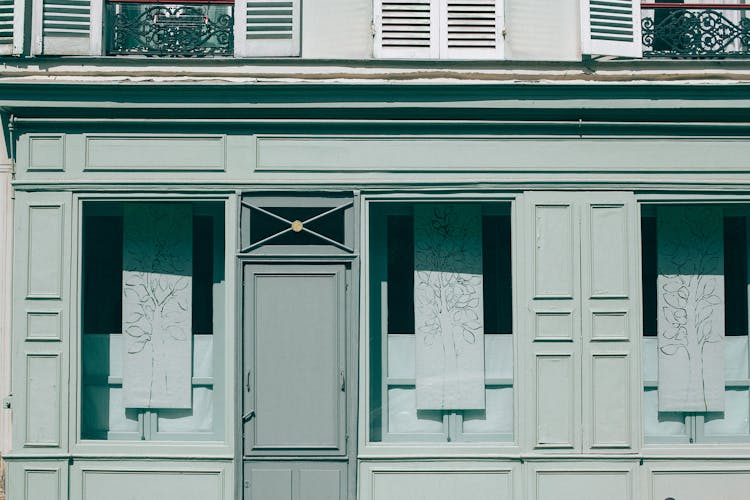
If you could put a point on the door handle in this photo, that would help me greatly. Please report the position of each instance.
(248, 416)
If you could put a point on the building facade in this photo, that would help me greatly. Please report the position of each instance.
(355, 249)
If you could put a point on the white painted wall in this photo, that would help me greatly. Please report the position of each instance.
(336, 29)
(540, 30)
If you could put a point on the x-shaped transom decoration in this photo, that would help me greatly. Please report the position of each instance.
(297, 226)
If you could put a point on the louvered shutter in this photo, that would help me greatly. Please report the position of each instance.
(406, 29)
(471, 29)
(11, 26)
(267, 28)
(611, 27)
(68, 27)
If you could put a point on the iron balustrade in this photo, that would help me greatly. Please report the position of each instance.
(695, 30)
(187, 28)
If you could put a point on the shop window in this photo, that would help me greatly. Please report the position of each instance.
(152, 329)
(441, 349)
(695, 324)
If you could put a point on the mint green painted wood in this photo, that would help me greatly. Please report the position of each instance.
(440, 486)
(452, 154)
(550, 293)
(295, 480)
(610, 322)
(148, 152)
(581, 291)
(699, 482)
(273, 484)
(37, 480)
(161, 485)
(42, 239)
(295, 326)
(569, 484)
(42, 484)
(47, 152)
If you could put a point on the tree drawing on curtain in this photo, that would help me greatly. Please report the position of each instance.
(157, 295)
(691, 304)
(448, 306)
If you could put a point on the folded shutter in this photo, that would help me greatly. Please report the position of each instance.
(611, 28)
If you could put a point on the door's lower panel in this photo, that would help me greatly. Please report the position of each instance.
(295, 480)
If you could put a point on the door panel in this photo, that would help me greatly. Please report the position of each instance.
(296, 480)
(294, 360)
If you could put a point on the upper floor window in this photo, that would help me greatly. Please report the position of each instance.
(680, 28)
(186, 29)
(168, 28)
(439, 29)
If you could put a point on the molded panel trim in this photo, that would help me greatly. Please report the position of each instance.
(154, 152)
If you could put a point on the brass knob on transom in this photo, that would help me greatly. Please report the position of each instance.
(297, 226)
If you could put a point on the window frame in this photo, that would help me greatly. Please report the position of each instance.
(430, 448)
(223, 376)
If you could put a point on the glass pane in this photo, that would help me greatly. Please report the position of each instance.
(498, 356)
(102, 411)
(403, 416)
(496, 269)
(102, 274)
(736, 414)
(198, 419)
(400, 259)
(650, 358)
(497, 417)
(401, 356)
(203, 355)
(331, 226)
(661, 423)
(735, 357)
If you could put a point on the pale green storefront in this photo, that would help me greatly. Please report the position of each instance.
(299, 387)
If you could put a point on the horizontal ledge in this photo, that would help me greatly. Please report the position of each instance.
(152, 457)
(578, 124)
(699, 6)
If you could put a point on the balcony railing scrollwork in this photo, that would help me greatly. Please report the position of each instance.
(678, 30)
(188, 28)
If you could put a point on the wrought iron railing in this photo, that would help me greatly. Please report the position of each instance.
(181, 29)
(695, 30)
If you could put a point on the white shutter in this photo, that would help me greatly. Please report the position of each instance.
(267, 28)
(611, 27)
(11, 26)
(406, 29)
(68, 27)
(471, 29)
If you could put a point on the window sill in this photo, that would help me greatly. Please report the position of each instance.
(440, 450)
